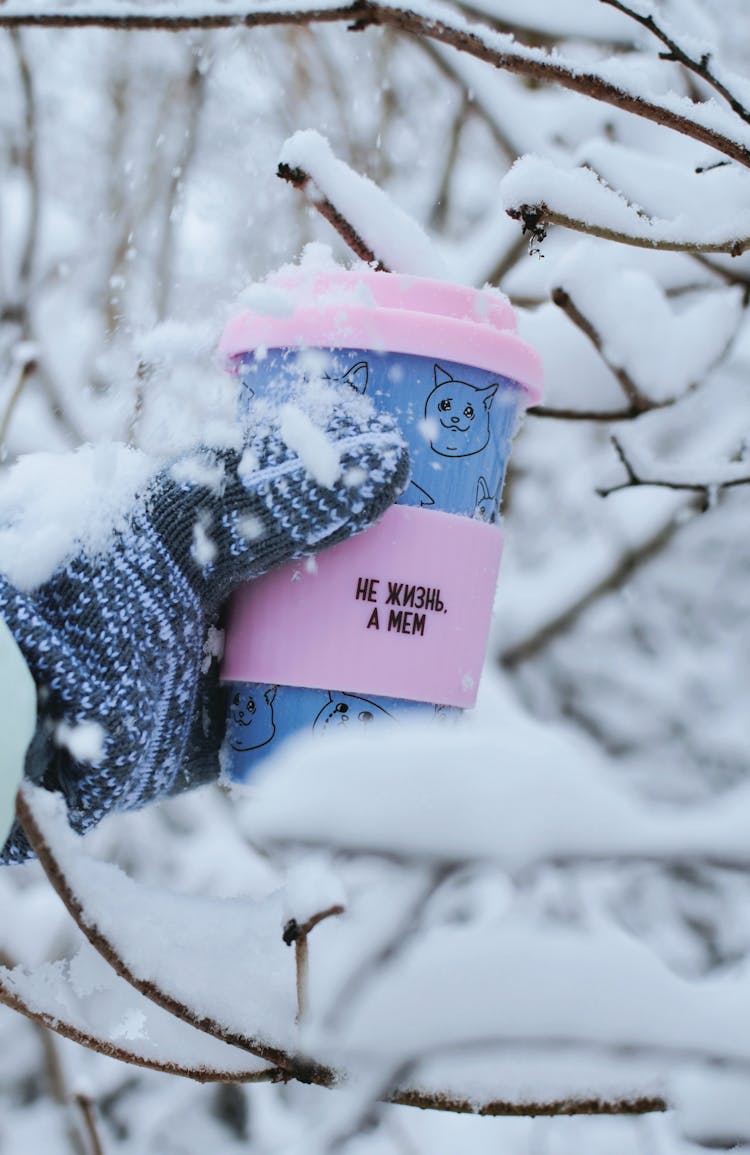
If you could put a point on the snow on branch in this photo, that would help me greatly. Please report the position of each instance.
(657, 352)
(539, 193)
(236, 974)
(116, 1021)
(373, 226)
(698, 63)
(611, 81)
(370, 798)
(708, 478)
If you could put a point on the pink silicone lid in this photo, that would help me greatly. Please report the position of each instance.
(362, 309)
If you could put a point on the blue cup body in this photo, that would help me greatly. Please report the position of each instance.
(459, 424)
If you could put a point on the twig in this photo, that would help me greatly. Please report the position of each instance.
(481, 43)
(29, 161)
(507, 261)
(24, 371)
(700, 67)
(297, 933)
(52, 1022)
(560, 413)
(302, 180)
(731, 276)
(192, 94)
(593, 1105)
(440, 204)
(272, 1054)
(393, 942)
(535, 219)
(88, 1114)
(445, 62)
(623, 569)
(707, 488)
(639, 402)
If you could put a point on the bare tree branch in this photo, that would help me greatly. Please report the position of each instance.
(25, 369)
(29, 162)
(473, 39)
(191, 93)
(707, 486)
(639, 402)
(535, 219)
(88, 1114)
(55, 873)
(560, 413)
(444, 62)
(622, 570)
(699, 66)
(297, 933)
(48, 1021)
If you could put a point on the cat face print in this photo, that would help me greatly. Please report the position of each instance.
(251, 711)
(459, 416)
(347, 711)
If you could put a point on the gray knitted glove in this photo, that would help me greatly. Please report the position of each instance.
(118, 640)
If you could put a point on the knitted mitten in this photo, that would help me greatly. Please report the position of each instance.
(129, 703)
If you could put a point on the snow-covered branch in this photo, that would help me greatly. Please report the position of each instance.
(371, 224)
(699, 64)
(705, 122)
(700, 477)
(713, 216)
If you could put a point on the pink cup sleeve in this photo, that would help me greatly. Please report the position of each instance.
(401, 610)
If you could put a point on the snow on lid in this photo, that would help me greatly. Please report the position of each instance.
(319, 304)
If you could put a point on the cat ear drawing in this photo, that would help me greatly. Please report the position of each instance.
(343, 709)
(488, 396)
(357, 376)
(485, 503)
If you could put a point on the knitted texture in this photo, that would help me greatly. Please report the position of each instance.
(130, 706)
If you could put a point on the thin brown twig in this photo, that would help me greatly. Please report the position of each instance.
(362, 13)
(90, 1124)
(29, 162)
(444, 62)
(191, 95)
(707, 488)
(535, 219)
(730, 276)
(700, 67)
(441, 201)
(298, 933)
(561, 413)
(639, 402)
(24, 371)
(623, 569)
(302, 180)
(52, 1022)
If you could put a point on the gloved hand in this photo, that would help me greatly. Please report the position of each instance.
(128, 700)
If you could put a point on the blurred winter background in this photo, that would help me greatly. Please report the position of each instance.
(138, 198)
